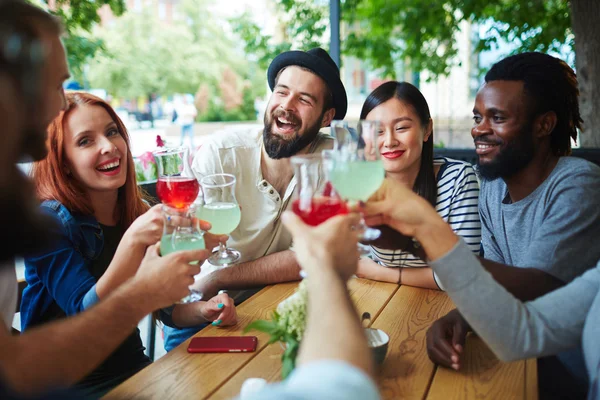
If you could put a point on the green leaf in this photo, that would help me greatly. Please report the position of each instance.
(287, 366)
(270, 327)
(392, 35)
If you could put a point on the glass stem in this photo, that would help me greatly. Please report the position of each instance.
(222, 249)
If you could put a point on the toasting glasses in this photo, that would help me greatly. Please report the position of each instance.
(355, 168)
(173, 189)
(181, 232)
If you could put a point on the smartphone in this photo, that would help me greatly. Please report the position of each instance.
(222, 344)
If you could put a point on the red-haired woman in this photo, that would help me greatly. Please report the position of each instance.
(103, 227)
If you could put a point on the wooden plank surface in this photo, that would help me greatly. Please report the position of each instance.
(404, 313)
(482, 376)
(367, 295)
(531, 380)
(407, 372)
(179, 375)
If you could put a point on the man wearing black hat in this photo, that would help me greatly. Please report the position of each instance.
(307, 95)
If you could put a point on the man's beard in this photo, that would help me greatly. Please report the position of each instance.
(278, 147)
(24, 228)
(34, 144)
(511, 159)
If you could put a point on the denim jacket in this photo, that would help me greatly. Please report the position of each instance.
(60, 272)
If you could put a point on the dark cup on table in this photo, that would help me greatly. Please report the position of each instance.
(378, 342)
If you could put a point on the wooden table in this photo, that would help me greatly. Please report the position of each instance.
(403, 312)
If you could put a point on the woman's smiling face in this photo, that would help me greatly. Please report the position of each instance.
(95, 150)
(401, 135)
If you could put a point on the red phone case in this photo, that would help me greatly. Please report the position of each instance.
(222, 344)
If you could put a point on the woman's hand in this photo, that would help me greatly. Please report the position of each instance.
(220, 310)
(147, 229)
(369, 269)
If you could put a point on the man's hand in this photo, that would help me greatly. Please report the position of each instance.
(167, 279)
(446, 340)
(332, 244)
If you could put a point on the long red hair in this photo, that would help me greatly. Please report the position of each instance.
(53, 183)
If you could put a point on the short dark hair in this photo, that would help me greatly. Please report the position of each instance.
(327, 101)
(28, 17)
(425, 184)
(551, 85)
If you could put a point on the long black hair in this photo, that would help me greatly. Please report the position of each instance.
(425, 184)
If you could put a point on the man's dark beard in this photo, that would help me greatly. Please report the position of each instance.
(278, 147)
(34, 144)
(511, 159)
(24, 228)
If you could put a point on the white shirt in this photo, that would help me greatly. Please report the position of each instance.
(321, 379)
(8, 293)
(186, 114)
(260, 231)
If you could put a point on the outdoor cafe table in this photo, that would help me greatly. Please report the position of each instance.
(403, 312)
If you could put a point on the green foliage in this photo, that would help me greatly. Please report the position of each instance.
(278, 333)
(79, 17)
(414, 32)
(304, 26)
(217, 112)
(144, 55)
(287, 326)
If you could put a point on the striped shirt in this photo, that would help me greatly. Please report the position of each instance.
(457, 204)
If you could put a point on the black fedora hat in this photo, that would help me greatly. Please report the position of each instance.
(318, 61)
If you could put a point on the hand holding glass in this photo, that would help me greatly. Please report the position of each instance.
(181, 232)
(315, 200)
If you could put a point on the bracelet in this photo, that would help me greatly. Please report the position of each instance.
(400, 276)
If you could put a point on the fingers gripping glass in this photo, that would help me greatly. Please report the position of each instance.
(220, 208)
(181, 232)
(315, 200)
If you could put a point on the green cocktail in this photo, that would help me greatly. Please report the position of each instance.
(356, 180)
(182, 242)
(224, 217)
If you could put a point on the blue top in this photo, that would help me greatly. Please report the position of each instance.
(61, 281)
(324, 379)
(78, 241)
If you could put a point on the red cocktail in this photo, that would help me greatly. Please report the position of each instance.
(177, 191)
(319, 210)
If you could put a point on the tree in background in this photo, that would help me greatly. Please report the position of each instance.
(144, 55)
(303, 25)
(79, 17)
(231, 100)
(421, 35)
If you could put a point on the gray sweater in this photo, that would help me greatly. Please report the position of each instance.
(556, 322)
